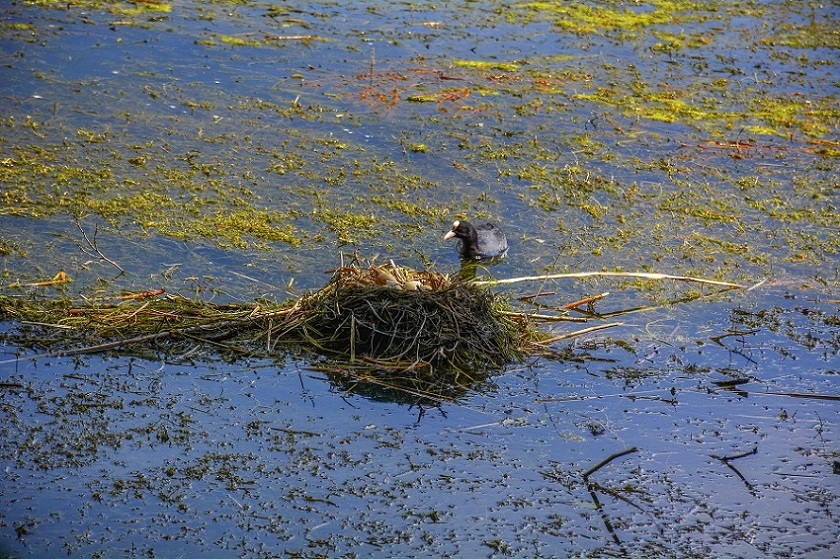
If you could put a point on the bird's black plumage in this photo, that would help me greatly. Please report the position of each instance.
(479, 243)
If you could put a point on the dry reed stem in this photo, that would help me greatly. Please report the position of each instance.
(578, 333)
(642, 275)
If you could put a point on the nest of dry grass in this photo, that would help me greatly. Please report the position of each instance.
(397, 317)
(414, 333)
(383, 318)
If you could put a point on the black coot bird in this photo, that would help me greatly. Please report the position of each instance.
(478, 243)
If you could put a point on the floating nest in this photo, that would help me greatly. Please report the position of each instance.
(396, 317)
(385, 330)
(383, 320)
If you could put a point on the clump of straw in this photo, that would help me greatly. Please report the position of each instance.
(418, 333)
(371, 318)
(396, 317)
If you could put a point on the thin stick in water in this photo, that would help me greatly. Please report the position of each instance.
(606, 461)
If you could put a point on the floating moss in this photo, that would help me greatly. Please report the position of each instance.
(411, 209)
(814, 116)
(349, 226)
(486, 65)
(249, 40)
(814, 35)
(15, 26)
(239, 41)
(123, 8)
(418, 98)
(778, 115)
(248, 227)
(143, 7)
(582, 18)
(9, 247)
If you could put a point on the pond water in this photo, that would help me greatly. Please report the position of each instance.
(232, 151)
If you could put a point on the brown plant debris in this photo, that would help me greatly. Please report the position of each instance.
(384, 317)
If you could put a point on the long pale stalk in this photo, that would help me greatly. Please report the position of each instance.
(643, 275)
